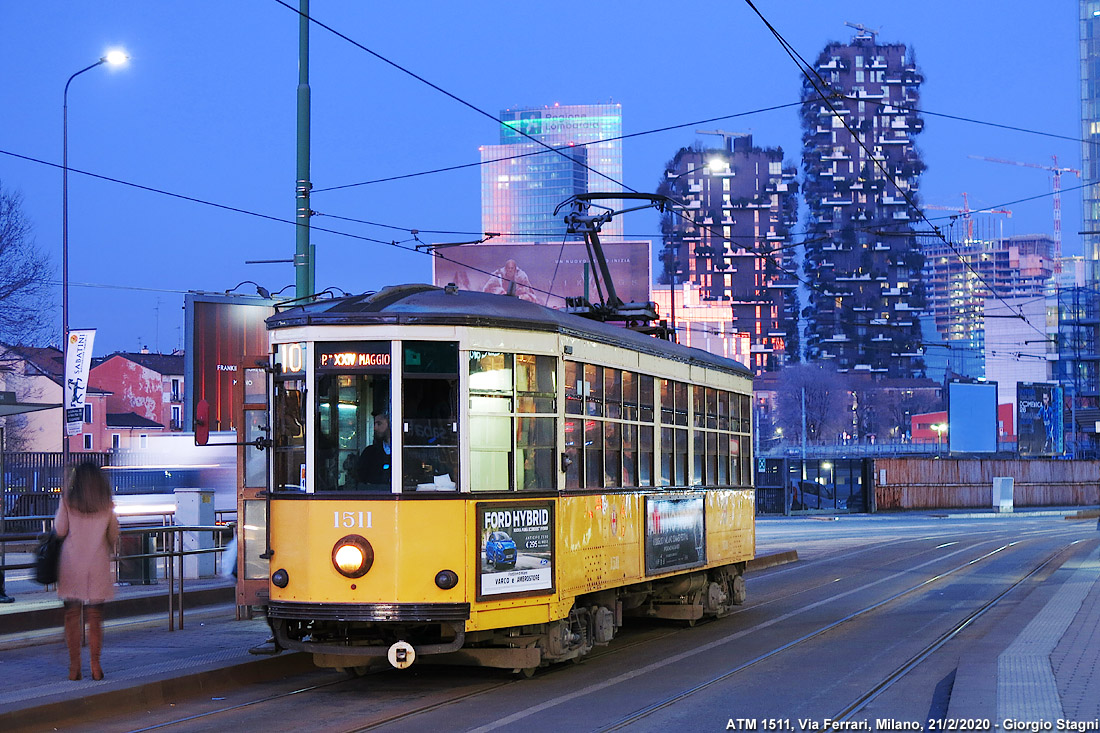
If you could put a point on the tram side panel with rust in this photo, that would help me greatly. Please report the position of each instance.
(510, 555)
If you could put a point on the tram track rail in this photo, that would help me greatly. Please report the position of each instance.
(902, 670)
(626, 645)
(852, 708)
(378, 723)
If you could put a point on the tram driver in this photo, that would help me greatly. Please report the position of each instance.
(375, 460)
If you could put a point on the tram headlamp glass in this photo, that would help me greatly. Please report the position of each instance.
(349, 558)
(352, 556)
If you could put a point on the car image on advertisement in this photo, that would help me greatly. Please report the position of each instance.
(500, 550)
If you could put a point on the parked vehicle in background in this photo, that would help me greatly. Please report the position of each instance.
(810, 495)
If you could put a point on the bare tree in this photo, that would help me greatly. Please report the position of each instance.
(828, 403)
(25, 313)
(896, 408)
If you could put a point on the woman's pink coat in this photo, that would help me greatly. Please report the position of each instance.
(84, 573)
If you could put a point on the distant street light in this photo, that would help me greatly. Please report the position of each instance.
(113, 58)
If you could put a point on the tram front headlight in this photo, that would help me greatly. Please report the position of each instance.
(352, 556)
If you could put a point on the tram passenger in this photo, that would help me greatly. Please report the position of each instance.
(375, 460)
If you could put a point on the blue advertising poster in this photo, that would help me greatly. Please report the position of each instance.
(972, 417)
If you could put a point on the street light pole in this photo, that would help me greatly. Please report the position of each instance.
(304, 266)
(113, 58)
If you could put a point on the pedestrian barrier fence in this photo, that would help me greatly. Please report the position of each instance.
(141, 550)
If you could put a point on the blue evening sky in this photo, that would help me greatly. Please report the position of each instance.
(206, 109)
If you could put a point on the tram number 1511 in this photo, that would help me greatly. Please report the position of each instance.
(351, 520)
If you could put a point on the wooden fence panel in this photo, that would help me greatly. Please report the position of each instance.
(937, 483)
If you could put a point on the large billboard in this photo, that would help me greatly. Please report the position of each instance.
(221, 331)
(972, 417)
(1039, 419)
(534, 271)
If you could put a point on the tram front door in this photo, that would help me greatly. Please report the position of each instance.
(253, 430)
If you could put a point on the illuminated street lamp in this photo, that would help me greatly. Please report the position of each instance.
(113, 58)
(940, 429)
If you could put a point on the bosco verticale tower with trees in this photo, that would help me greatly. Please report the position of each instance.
(861, 184)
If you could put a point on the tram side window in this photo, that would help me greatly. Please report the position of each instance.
(611, 446)
(574, 388)
(674, 438)
(536, 437)
(513, 434)
(429, 403)
(715, 447)
(289, 435)
(491, 455)
(645, 430)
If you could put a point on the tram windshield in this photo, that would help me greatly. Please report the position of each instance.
(353, 438)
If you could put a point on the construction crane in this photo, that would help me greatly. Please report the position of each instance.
(1056, 187)
(966, 212)
(726, 136)
(864, 30)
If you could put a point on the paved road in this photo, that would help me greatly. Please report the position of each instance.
(814, 642)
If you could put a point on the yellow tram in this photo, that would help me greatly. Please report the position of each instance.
(542, 477)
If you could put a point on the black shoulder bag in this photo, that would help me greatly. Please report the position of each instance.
(46, 558)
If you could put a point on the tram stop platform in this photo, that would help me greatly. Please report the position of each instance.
(1044, 664)
(144, 663)
(1049, 670)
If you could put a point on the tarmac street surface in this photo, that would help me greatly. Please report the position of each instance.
(897, 622)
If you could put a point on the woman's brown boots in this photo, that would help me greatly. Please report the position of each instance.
(94, 613)
(73, 627)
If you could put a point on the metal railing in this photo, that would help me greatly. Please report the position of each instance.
(171, 539)
(164, 543)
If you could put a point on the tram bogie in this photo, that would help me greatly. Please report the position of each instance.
(544, 479)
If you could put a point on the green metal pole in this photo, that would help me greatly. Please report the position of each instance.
(303, 283)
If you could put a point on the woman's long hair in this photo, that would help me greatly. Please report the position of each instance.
(89, 491)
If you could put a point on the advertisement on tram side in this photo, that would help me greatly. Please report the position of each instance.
(675, 533)
(1039, 419)
(516, 548)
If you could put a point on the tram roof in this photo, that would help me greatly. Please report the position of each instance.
(430, 305)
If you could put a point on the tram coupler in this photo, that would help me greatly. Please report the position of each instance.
(401, 654)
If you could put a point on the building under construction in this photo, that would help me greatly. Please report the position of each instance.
(961, 276)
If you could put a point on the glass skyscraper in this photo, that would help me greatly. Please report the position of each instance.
(1090, 133)
(522, 182)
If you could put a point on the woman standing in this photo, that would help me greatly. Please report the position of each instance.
(86, 520)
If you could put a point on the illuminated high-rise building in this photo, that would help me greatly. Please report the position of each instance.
(861, 183)
(731, 241)
(522, 182)
(1090, 133)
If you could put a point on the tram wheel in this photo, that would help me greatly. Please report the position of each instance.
(524, 672)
